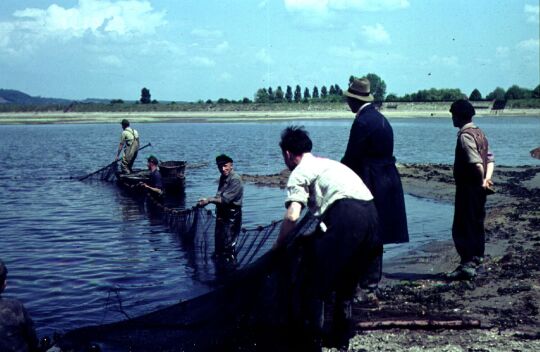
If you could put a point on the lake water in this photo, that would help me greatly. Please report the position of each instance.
(75, 250)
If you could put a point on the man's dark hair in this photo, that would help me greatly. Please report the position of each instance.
(3, 273)
(223, 159)
(152, 159)
(125, 123)
(463, 109)
(295, 139)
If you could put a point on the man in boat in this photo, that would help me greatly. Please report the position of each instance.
(16, 327)
(228, 201)
(473, 168)
(343, 246)
(129, 143)
(369, 153)
(155, 183)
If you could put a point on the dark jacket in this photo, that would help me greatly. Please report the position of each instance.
(370, 154)
(16, 328)
(231, 192)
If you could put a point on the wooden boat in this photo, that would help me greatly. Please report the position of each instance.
(172, 174)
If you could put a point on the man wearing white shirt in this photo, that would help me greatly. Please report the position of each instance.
(344, 244)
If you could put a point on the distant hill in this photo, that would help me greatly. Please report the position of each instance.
(11, 96)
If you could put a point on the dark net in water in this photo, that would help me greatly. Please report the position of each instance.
(249, 305)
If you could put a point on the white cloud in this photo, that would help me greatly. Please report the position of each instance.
(375, 34)
(529, 45)
(263, 56)
(323, 6)
(5, 33)
(533, 13)
(128, 17)
(111, 60)
(203, 61)
(206, 33)
(449, 61)
(225, 76)
(222, 47)
(352, 54)
(502, 51)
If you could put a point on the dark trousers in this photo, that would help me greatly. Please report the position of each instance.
(334, 261)
(228, 226)
(373, 274)
(468, 226)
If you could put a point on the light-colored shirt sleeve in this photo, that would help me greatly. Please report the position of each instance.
(469, 146)
(298, 187)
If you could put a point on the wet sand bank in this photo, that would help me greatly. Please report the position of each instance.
(504, 297)
(231, 116)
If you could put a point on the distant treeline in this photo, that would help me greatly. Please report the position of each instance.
(278, 99)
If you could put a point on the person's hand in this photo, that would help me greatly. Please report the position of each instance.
(202, 202)
(487, 183)
(535, 153)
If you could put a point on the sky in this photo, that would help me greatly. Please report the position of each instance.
(186, 50)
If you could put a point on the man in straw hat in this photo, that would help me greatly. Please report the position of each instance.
(370, 154)
(129, 142)
(228, 201)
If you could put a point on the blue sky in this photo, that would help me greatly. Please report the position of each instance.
(186, 50)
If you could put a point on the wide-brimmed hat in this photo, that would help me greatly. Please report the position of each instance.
(360, 89)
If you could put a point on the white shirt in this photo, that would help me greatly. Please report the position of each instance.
(128, 135)
(319, 182)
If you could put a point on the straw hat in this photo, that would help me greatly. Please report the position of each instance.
(360, 89)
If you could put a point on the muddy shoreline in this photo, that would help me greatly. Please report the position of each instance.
(505, 296)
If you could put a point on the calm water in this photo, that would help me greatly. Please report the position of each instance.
(76, 250)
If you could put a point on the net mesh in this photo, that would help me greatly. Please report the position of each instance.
(246, 304)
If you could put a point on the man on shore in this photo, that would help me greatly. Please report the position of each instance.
(129, 143)
(228, 201)
(16, 327)
(344, 244)
(473, 168)
(370, 153)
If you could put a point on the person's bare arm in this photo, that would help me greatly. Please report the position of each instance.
(489, 173)
(289, 222)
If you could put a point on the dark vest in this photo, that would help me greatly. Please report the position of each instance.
(463, 170)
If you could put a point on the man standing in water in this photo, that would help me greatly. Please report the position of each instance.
(473, 168)
(228, 201)
(343, 245)
(16, 327)
(369, 153)
(129, 142)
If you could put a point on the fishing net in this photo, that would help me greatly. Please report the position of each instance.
(250, 302)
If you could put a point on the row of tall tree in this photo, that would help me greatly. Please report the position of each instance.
(378, 89)
(269, 95)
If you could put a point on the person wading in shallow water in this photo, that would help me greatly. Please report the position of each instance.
(344, 244)
(473, 168)
(129, 142)
(16, 327)
(228, 201)
(369, 153)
